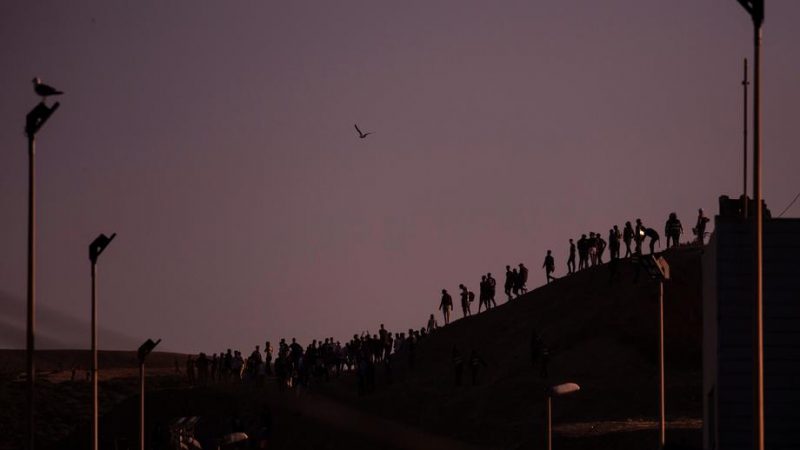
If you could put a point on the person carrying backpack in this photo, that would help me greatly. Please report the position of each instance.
(627, 237)
(673, 230)
(700, 228)
(464, 300)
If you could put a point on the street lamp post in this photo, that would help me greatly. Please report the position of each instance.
(556, 391)
(745, 83)
(144, 350)
(658, 269)
(95, 249)
(662, 420)
(34, 121)
(756, 10)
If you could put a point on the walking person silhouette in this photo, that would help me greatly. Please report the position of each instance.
(464, 300)
(446, 305)
(571, 260)
(654, 237)
(673, 230)
(509, 284)
(613, 242)
(491, 284)
(583, 252)
(549, 266)
(523, 278)
(627, 237)
(638, 236)
(700, 227)
(483, 294)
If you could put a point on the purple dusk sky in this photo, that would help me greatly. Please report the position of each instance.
(217, 140)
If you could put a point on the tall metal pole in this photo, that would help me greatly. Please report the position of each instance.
(756, 10)
(758, 337)
(744, 127)
(31, 366)
(95, 249)
(142, 353)
(94, 357)
(34, 121)
(549, 422)
(141, 405)
(662, 427)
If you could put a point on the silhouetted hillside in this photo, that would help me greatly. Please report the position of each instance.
(63, 403)
(601, 335)
(12, 362)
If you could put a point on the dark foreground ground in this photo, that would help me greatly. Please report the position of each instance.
(602, 335)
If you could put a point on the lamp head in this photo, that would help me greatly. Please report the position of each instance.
(146, 348)
(756, 10)
(563, 389)
(98, 245)
(656, 266)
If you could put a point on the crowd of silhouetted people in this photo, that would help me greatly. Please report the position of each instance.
(294, 367)
(590, 251)
(297, 368)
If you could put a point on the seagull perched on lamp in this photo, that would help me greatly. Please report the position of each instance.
(43, 90)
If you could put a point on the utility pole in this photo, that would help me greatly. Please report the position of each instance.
(658, 269)
(95, 249)
(142, 353)
(756, 10)
(662, 421)
(745, 83)
(758, 337)
(31, 333)
(556, 391)
(34, 121)
(549, 422)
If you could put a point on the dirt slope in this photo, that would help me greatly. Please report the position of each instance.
(62, 405)
(601, 335)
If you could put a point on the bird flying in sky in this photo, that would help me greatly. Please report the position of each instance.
(360, 134)
(43, 90)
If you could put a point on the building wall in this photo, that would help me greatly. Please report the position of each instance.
(709, 345)
(728, 285)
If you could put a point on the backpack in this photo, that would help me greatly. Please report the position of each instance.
(471, 296)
